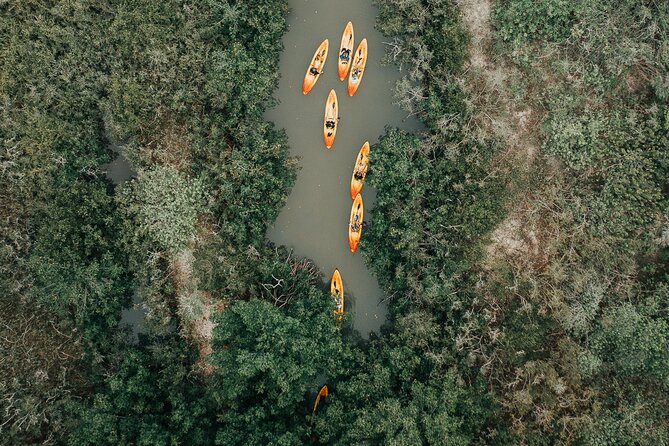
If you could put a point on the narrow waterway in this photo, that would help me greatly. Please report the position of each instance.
(119, 171)
(315, 219)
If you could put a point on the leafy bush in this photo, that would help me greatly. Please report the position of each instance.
(633, 344)
(429, 42)
(520, 21)
(165, 205)
(635, 422)
(620, 162)
(249, 180)
(77, 268)
(430, 208)
(603, 45)
(267, 359)
(149, 397)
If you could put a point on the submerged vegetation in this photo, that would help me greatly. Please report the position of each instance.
(529, 288)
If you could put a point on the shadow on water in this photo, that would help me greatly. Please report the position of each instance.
(314, 221)
(119, 171)
(133, 318)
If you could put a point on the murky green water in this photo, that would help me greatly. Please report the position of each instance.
(119, 171)
(314, 221)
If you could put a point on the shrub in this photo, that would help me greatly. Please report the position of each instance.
(521, 21)
(165, 205)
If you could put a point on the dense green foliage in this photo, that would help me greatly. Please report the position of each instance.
(151, 398)
(604, 44)
(424, 226)
(429, 43)
(165, 206)
(61, 262)
(77, 268)
(435, 194)
(548, 21)
(267, 364)
(396, 394)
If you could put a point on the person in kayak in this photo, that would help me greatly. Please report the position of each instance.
(330, 125)
(355, 226)
(358, 175)
(355, 74)
(345, 55)
(314, 71)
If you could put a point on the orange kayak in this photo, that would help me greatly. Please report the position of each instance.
(330, 119)
(337, 292)
(358, 68)
(355, 223)
(345, 50)
(315, 67)
(321, 393)
(360, 170)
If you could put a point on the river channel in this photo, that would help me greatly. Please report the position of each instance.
(314, 221)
